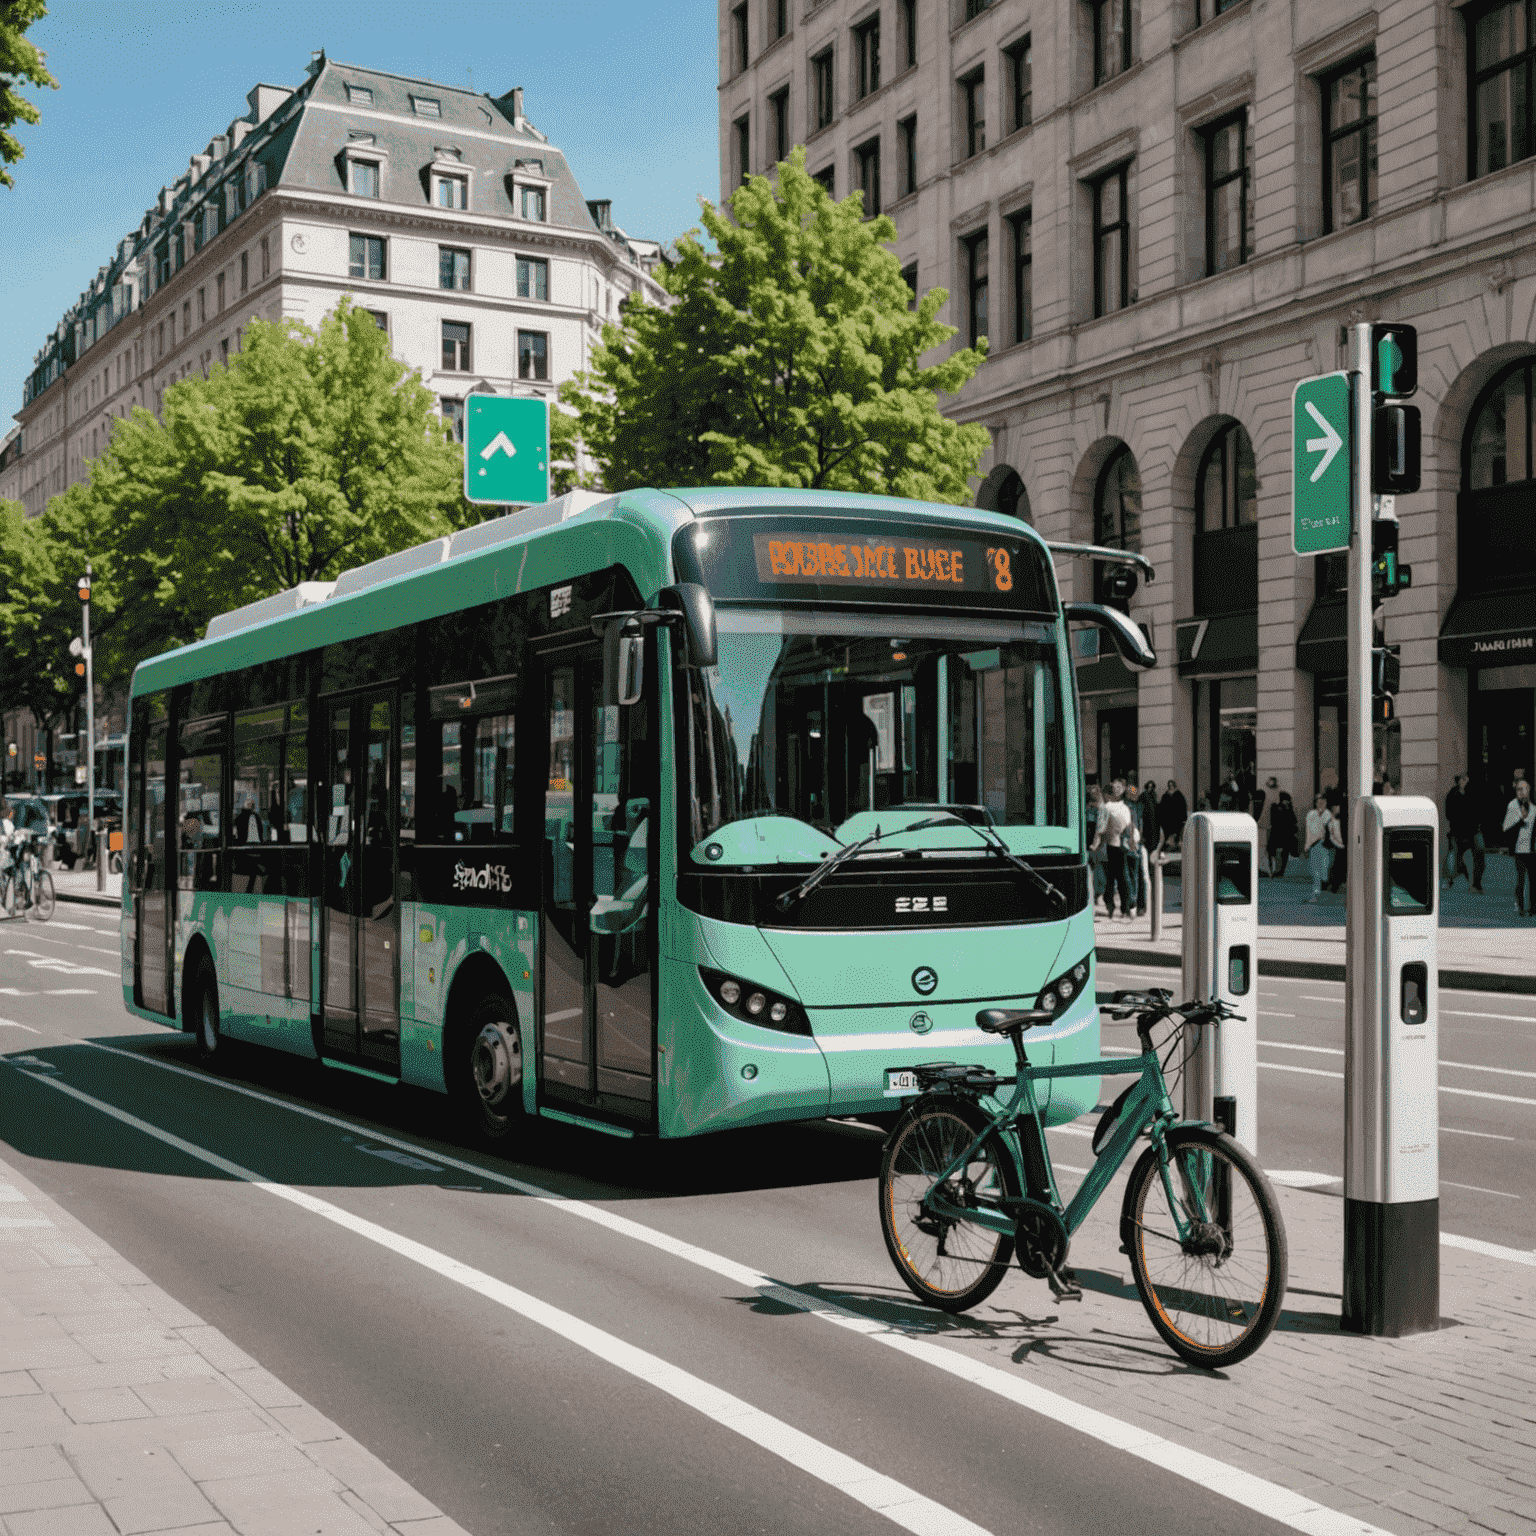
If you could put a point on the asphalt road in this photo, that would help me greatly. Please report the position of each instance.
(530, 1341)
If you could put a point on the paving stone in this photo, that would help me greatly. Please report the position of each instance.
(257, 1454)
(192, 1394)
(52, 1493)
(263, 1388)
(215, 1348)
(83, 1520)
(103, 1407)
(163, 1509)
(134, 1344)
(240, 1499)
(17, 1384)
(305, 1424)
(120, 1474)
(97, 1377)
(33, 1464)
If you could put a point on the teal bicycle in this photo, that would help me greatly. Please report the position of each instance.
(964, 1188)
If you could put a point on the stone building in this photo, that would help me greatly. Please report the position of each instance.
(444, 212)
(1162, 214)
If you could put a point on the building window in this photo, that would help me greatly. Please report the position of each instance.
(452, 268)
(426, 106)
(378, 316)
(1228, 197)
(906, 139)
(532, 278)
(1498, 447)
(907, 11)
(202, 306)
(778, 105)
(455, 347)
(1502, 50)
(1349, 143)
(825, 178)
(266, 258)
(532, 355)
(1116, 512)
(533, 204)
(245, 270)
(974, 105)
(224, 351)
(453, 417)
(866, 54)
(974, 8)
(1111, 242)
(869, 176)
(365, 177)
(218, 293)
(743, 127)
(976, 285)
(1020, 85)
(1227, 487)
(162, 264)
(452, 191)
(779, 11)
(255, 181)
(826, 100)
(1111, 39)
(740, 53)
(1023, 274)
(231, 201)
(909, 277)
(359, 96)
(367, 257)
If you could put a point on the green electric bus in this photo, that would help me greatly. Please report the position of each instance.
(660, 813)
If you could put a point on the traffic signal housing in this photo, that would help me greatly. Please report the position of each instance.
(1120, 583)
(1394, 361)
(83, 589)
(77, 650)
(1395, 443)
(1386, 679)
(1388, 575)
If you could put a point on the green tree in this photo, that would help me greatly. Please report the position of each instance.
(791, 355)
(312, 451)
(19, 61)
(39, 616)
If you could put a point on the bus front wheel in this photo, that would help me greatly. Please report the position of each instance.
(490, 1069)
(204, 999)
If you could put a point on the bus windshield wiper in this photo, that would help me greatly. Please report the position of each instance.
(809, 884)
(995, 842)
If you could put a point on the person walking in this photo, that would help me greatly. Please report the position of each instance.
(1151, 841)
(1463, 836)
(1114, 821)
(1319, 849)
(1519, 827)
(1338, 842)
(1281, 842)
(1131, 843)
(1263, 809)
(1172, 813)
(1098, 854)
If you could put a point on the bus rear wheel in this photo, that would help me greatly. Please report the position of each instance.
(489, 1070)
(203, 998)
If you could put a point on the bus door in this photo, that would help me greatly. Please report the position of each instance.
(148, 869)
(598, 1026)
(360, 941)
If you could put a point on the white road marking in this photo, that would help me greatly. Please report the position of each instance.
(1282, 1504)
(1278, 1066)
(95, 949)
(49, 963)
(1478, 1093)
(1478, 1189)
(1469, 1093)
(1472, 1066)
(9, 1223)
(404, 1159)
(1312, 997)
(12, 1024)
(15, 992)
(564, 1013)
(1508, 1018)
(69, 992)
(1300, 1178)
(1489, 1250)
(901, 1505)
(1274, 1013)
(1456, 1130)
(1318, 1050)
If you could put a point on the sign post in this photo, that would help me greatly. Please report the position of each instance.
(506, 449)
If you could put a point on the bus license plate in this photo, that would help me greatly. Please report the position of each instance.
(898, 1084)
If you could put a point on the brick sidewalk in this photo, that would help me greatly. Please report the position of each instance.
(122, 1412)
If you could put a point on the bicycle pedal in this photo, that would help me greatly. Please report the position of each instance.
(1063, 1284)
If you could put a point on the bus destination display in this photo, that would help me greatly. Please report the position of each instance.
(948, 564)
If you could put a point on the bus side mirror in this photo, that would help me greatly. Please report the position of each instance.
(623, 661)
(1129, 640)
(698, 611)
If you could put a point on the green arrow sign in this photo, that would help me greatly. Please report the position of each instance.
(506, 449)
(1322, 464)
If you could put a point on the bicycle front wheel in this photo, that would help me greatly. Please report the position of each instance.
(949, 1264)
(1211, 1264)
(44, 903)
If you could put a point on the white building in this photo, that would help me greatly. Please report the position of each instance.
(445, 213)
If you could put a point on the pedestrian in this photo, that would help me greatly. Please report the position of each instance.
(1098, 854)
(1519, 827)
(1263, 809)
(1151, 840)
(1338, 841)
(1114, 821)
(1281, 842)
(1319, 849)
(1462, 835)
(1131, 843)
(1172, 813)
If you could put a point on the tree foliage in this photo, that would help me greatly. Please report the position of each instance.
(20, 61)
(312, 451)
(39, 616)
(790, 356)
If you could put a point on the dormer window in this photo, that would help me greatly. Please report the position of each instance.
(255, 181)
(451, 191)
(533, 204)
(365, 178)
(426, 106)
(359, 96)
(362, 163)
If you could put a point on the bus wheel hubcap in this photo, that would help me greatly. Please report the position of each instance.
(498, 1064)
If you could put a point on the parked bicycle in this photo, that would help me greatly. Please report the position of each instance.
(965, 1187)
(25, 886)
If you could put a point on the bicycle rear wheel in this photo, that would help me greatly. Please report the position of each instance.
(43, 905)
(949, 1264)
(1215, 1294)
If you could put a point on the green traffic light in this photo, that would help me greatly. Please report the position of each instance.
(1389, 357)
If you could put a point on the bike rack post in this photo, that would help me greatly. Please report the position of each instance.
(1155, 900)
(101, 857)
(1221, 929)
(1391, 1070)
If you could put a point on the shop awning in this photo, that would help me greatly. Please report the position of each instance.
(1322, 645)
(1490, 629)
(1224, 645)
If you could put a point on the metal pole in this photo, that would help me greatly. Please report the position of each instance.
(1155, 904)
(90, 734)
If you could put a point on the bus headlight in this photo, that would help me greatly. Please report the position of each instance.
(755, 1005)
(1057, 994)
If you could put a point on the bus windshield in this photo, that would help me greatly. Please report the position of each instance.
(817, 728)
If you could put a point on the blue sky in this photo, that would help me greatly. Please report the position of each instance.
(626, 90)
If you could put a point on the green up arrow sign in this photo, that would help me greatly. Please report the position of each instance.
(506, 449)
(1322, 461)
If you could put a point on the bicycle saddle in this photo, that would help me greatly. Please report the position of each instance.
(1001, 1021)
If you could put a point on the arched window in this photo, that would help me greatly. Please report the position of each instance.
(1227, 487)
(1116, 511)
(1497, 448)
(1012, 498)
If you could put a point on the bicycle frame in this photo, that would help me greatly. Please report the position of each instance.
(1147, 1105)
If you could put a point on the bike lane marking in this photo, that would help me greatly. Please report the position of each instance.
(902, 1505)
(1284, 1505)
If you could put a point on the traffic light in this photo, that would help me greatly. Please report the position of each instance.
(84, 589)
(1386, 679)
(1394, 361)
(1388, 575)
(77, 650)
(1395, 439)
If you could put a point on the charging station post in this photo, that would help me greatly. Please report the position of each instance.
(1221, 930)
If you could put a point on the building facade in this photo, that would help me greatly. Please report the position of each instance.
(443, 212)
(1162, 214)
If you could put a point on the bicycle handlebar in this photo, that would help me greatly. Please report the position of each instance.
(1156, 1004)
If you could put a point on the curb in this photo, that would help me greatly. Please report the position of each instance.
(88, 900)
(1322, 970)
